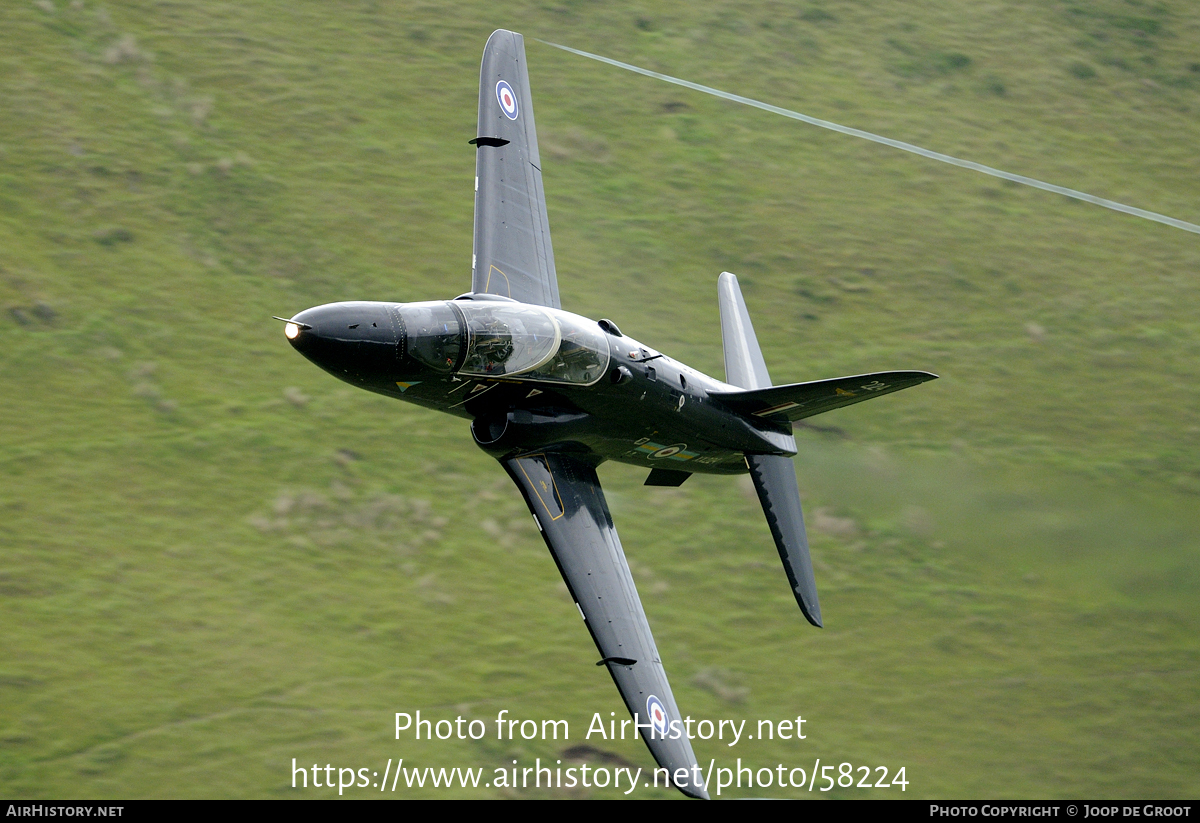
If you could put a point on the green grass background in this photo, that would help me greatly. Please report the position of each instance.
(215, 558)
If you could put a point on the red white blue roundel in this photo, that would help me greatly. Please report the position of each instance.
(507, 100)
(658, 715)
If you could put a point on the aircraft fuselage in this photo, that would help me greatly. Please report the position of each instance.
(528, 376)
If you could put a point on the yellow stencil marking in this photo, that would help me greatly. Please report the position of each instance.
(545, 487)
(488, 285)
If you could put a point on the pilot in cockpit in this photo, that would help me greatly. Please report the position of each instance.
(491, 346)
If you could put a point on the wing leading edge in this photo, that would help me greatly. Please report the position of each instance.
(513, 256)
(564, 494)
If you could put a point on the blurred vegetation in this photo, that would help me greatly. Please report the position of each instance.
(215, 558)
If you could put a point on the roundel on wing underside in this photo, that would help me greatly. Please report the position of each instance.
(507, 99)
(659, 719)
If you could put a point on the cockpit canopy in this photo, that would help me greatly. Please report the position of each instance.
(508, 339)
(501, 339)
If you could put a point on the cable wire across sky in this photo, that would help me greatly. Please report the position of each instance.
(896, 144)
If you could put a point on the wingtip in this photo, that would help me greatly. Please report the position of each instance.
(811, 611)
(503, 32)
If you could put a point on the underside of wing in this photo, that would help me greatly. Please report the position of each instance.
(564, 494)
(797, 401)
(513, 256)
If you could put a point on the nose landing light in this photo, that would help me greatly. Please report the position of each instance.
(292, 329)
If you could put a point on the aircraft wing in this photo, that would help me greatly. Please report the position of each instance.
(513, 256)
(564, 494)
(795, 401)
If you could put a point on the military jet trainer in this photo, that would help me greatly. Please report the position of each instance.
(552, 395)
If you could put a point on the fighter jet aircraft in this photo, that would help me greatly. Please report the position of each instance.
(552, 395)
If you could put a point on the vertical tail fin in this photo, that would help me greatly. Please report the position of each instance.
(774, 476)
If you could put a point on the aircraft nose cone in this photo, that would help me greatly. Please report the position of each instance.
(355, 342)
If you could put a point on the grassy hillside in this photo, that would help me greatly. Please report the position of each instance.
(214, 558)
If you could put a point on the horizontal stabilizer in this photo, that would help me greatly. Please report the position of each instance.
(795, 401)
(744, 364)
(774, 479)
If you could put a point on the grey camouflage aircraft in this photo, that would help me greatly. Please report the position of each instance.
(552, 395)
